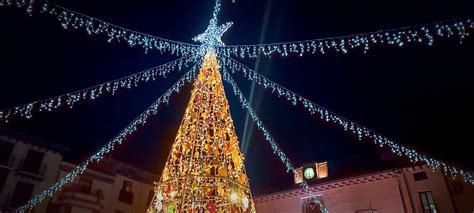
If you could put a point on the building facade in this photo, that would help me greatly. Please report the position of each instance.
(110, 186)
(27, 166)
(412, 190)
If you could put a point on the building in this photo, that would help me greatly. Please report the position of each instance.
(413, 190)
(27, 166)
(110, 186)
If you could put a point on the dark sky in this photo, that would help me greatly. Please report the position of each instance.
(418, 95)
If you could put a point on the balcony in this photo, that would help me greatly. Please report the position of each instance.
(7, 164)
(126, 197)
(78, 196)
(36, 173)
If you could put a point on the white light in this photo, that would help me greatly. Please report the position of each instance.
(233, 196)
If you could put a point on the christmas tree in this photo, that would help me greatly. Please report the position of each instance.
(205, 169)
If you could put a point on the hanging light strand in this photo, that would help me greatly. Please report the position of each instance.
(360, 131)
(73, 20)
(26, 111)
(141, 120)
(424, 33)
(268, 137)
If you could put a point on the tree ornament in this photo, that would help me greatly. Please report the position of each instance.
(208, 149)
(211, 207)
(172, 208)
(245, 202)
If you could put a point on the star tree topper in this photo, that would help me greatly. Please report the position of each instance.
(213, 34)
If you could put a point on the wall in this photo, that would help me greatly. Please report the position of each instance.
(111, 186)
(390, 191)
(377, 191)
(51, 161)
(435, 183)
(464, 198)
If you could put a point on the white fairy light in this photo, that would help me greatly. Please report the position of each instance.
(141, 120)
(268, 137)
(360, 131)
(91, 93)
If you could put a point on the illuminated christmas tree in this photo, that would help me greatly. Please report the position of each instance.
(205, 170)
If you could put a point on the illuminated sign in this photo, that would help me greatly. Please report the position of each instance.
(311, 172)
(322, 170)
(299, 176)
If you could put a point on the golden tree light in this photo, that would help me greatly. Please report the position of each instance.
(205, 169)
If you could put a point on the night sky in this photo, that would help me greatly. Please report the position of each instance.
(418, 95)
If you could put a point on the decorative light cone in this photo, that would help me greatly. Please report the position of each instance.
(205, 170)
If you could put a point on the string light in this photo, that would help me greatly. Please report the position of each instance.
(205, 169)
(268, 137)
(141, 120)
(211, 42)
(91, 93)
(360, 131)
(212, 37)
(73, 20)
(395, 37)
(234, 197)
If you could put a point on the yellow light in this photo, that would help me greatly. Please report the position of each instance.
(214, 155)
(299, 175)
(322, 169)
(233, 197)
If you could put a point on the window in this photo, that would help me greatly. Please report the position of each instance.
(32, 162)
(427, 203)
(5, 152)
(126, 195)
(21, 194)
(127, 186)
(419, 176)
(310, 207)
(3, 177)
(458, 187)
(85, 185)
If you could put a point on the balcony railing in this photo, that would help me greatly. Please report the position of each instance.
(38, 174)
(76, 195)
(126, 197)
(9, 163)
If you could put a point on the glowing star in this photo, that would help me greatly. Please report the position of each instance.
(213, 34)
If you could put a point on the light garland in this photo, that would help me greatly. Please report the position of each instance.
(423, 33)
(268, 137)
(360, 131)
(205, 170)
(108, 147)
(395, 37)
(91, 93)
(73, 20)
(211, 42)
